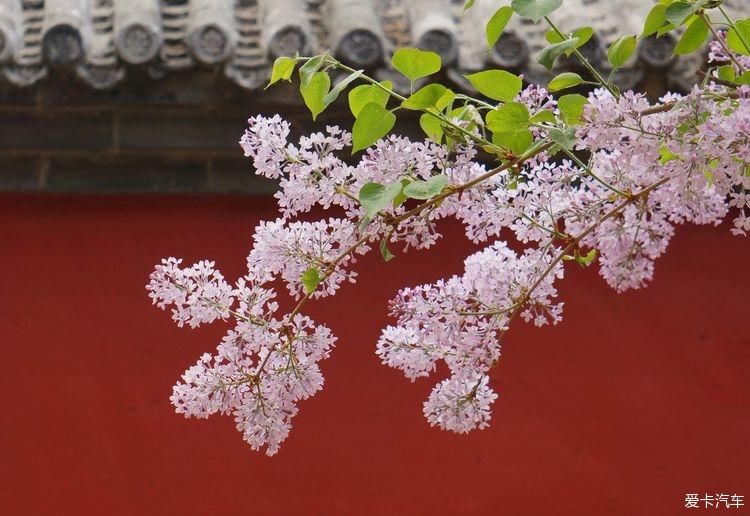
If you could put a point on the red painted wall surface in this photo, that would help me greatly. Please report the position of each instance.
(629, 404)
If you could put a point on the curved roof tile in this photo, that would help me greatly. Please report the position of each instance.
(100, 39)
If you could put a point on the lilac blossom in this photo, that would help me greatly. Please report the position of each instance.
(198, 294)
(287, 250)
(263, 366)
(460, 404)
(647, 168)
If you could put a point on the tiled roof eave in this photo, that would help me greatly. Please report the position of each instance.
(100, 39)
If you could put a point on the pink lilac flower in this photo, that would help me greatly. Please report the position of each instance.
(460, 404)
(198, 294)
(263, 366)
(648, 168)
(288, 250)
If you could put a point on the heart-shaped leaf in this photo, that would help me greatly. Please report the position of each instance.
(366, 93)
(564, 80)
(571, 107)
(677, 12)
(425, 189)
(432, 127)
(655, 20)
(515, 141)
(496, 84)
(512, 116)
(375, 196)
(548, 54)
(738, 37)
(583, 35)
(535, 9)
(310, 280)
(415, 64)
(425, 97)
(621, 50)
(282, 69)
(565, 138)
(372, 123)
(693, 37)
(314, 93)
(495, 27)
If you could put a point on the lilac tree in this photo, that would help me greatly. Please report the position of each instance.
(576, 180)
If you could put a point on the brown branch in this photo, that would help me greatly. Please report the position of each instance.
(573, 243)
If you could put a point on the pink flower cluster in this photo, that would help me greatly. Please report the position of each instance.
(647, 168)
(264, 365)
(460, 320)
(701, 147)
(287, 249)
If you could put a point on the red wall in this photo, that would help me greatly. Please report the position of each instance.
(633, 401)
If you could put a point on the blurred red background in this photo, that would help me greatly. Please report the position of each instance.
(629, 404)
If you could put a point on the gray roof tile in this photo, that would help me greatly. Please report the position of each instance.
(99, 39)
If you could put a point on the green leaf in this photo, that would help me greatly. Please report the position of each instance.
(432, 127)
(565, 138)
(445, 100)
(583, 35)
(664, 30)
(467, 113)
(571, 107)
(515, 141)
(310, 280)
(341, 86)
(401, 197)
(509, 124)
(414, 63)
(496, 84)
(548, 54)
(666, 155)
(362, 95)
(535, 9)
(385, 252)
(564, 81)
(468, 4)
(655, 20)
(372, 123)
(509, 117)
(375, 197)
(726, 73)
(677, 12)
(737, 34)
(709, 177)
(314, 93)
(425, 97)
(309, 69)
(425, 189)
(744, 78)
(495, 27)
(544, 115)
(693, 37)
(621, 50)
(587, 259)
(282, 69)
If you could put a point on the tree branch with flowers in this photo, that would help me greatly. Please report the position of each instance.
(574, 179)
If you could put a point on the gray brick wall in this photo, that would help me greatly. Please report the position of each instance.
(175, 135)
